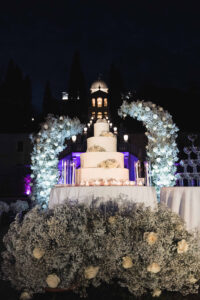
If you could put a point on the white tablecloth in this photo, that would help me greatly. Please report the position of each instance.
(185, 201)
(83, 194)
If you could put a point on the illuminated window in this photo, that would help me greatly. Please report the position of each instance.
(99, 115)
(93, 102)
(105, 113)
(99, 102)
(105, 102)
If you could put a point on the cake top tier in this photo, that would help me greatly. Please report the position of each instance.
(101, 126)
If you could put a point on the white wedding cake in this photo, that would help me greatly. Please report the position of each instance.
(101, 162)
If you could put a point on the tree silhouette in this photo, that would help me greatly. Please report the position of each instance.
(116, 88)
(47, 100)
(15, 94)
(77, 88)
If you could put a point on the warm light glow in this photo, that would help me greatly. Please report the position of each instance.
(99, 115)
(99, 102)
(88, 124)
(115, 129)
(93, 102)
(105, 102)
(85, 129)
(126, 137)
(74, 138)
(111, 124)
(90, 121)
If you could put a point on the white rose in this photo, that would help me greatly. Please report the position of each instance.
(150, 237)
(179, 227)
(156, 293)
(153, 268)
(25, 296)
(38, 253)
(192, 279)
(182, 246)
(112, 220)
(91, 272)
(127, 262)
(53, 281)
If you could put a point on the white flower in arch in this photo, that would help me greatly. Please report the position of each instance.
(161, 134)
(47, 144)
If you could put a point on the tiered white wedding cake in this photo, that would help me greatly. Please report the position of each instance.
(101, 162)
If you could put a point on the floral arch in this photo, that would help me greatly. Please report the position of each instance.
(47, 144)
(161, 134)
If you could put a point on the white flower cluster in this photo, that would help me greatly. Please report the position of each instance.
(47, 144)
(74, 246)
(107, 134)
(4, 207)
(96, 148)
(108, 164)
(19, 206)
(161, 133)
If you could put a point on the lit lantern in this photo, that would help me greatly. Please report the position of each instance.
(88, 125)
(115, 129)
(110, 124)
(73, 138)
(125, 137)
(85, 129)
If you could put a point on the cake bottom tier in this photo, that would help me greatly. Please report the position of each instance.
(87, 174)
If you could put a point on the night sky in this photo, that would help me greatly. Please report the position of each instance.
(150, 41)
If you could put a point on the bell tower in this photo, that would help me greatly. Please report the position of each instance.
(98, 101)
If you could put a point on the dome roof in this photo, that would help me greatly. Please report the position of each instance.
(99, 85)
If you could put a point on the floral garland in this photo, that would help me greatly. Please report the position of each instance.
(47, 144)
(161, 133)
(74, 246)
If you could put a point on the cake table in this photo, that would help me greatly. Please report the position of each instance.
(101, 194)
(183, 200)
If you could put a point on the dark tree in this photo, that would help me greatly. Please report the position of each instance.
(77, 88)
(47, 100)
(27, 91)
(116, 88)
(15, 99)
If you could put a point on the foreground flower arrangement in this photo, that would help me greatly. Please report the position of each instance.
(74, 246)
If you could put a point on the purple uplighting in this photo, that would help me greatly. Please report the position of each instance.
(27, 186)
(129, 160)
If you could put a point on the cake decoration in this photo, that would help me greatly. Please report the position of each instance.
(109, 163)
(101, 121)
(102, 162)
(107, 133)
(96, 148)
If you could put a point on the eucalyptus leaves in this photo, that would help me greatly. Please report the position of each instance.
(47, 144)
(161, 133)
